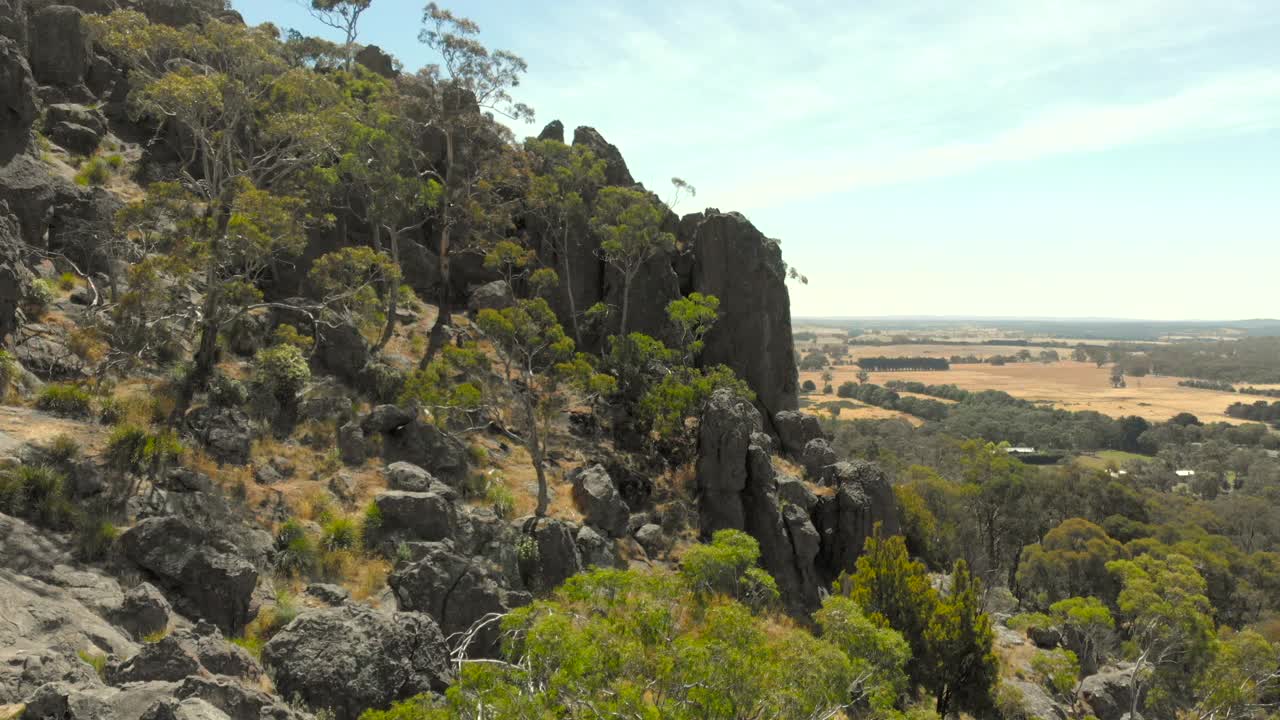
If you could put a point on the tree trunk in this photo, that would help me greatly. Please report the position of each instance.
(626, 304)
(207, 350)
(535, 452)
(393, 294)
(445, 316)
(568, 288)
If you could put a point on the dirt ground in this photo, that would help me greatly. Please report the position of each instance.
(1069, 385)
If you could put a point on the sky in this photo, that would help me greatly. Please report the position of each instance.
(1070, 158)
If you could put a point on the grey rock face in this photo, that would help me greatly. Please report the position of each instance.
(555, 555)
(17, 100)
(495, 295)
(59, 46)
(351, 447)
(215, 583)
(817, 456)
(416, 515)
(1108, 693)
(652, 539)
(615, 171)
(795, 430)
(600, 502)
(189, 709)
(169, 660)
(597, 550)
(456, 591)
(554, 130)
(78, 139)
(352, 658)
(428, 447)
(225, 433)
(373, 57)
(863, 498)
(144, 611)
(735, 262)
(343, 351)
(407, 476)
(328, 594)
(15, 279)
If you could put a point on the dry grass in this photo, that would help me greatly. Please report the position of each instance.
(1068, 385)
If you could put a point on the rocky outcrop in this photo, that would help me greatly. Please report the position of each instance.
(738, 489)
(796, 429)
(552, 554)
(615, 169)
(185, 652)
(59, 46)
(599, 500)
(145, 610)
(224, 432)
(415, 516)
(816, 456)
(378, 61)
(863, 499)
(1109, 693)
(456, 590)
(735, 262)
(17, 100)
(15, 279)
(352, 658)
(406, 437)
(214, 582)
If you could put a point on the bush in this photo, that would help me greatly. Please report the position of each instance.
(67, 281)
(97, 171)
(64, 399)
(227, 392)
(8, 372)
(37, 493)
(131, 449)
(502, 500)
(39, 296)
(727, 566)
(809, 386)
(281, 370)
(63, 448)
(340, 534)
(95, 539)
(295, 553)
(370, 526)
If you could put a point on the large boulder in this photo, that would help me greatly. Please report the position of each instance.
(725, 436)
(817, 456)
(352, 658)
(77, 139)
(410, 477)
(457, 591)
(17, 100)
(13, 24)
(416, 515)
(224, 432)
(214, 581)
(343, 351)
(494, 295)
(1109, 692)
(863, 499)
(60, 51)
(427, 446)
(552, 555)
(795, 429)
(145, 611)
(553, 130)
(735, 262)
(599, 500)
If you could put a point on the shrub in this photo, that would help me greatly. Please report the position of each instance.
(8, 372)
(95, 539)
(287, 334)
(808, 386)
(371, 526)
(227, 392)
(295, 553)
(63, 448)
(281, 370)
(37, 493)
(502, 500)
(132, 449)
(339, 534)
(39, 296)
(64, 399)
(97, 171)
(67, 281)
(87, 344)
(478, 453)
(115, 160)
(727, 566)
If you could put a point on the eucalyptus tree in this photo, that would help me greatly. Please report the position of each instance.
(629, 223)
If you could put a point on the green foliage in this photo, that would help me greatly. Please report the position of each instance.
(37, 493)
(40, 295)
(1057, 670)
(693, 316)
(63, 448)
(132, 449)
(370, 526)
(439, 389)
(281, 370)
(1071, 561)
(501, 500)
(65, 399)
(340, 533)
(963, 669)
(226, 391)
(878, 654)
(95, 538)
(351, 280)
(287, 334)
(96, 171)
(727, 566)
(8, 372)
(629, 224)
(1087, 629)
(682, 394)
(95, 660)
(67, 281)
(1242, 678)
(508, 259)
(296, 554)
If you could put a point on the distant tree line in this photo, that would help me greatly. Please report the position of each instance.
(1219, 385)
(882, 397)
(1254, 360)
(1264, 392)
(1258, 411)
(890, 364)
